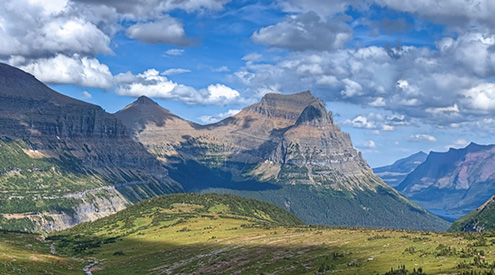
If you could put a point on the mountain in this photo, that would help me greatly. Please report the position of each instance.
(285, 150)
(478, 220)
(64, 161)
(454, 182)
(395, 173)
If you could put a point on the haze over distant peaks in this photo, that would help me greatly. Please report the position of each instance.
(456, 181)
(395, 173)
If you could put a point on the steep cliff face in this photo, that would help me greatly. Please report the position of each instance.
(457, 181)
(79, 146)
(286, 150)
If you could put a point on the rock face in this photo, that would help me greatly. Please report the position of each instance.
(82, 150)
(286, 150)
(395, 173)
(456, 182)
(479, 220)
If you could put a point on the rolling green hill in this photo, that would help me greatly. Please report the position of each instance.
(226, 234)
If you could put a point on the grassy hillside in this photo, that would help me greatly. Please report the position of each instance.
(480, 219)
(34, 183)
(225, 234)
(23, 253)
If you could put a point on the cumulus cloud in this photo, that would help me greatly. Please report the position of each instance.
(442, 86)
(86, 95)
(166, 30)
(375, 121)
(76, 70)
(481, 97)
(153, 84)
(31, 29)
(422, 137)
(307, 31)
(215, 118)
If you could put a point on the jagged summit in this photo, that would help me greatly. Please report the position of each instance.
(283, 106)
(144, 112)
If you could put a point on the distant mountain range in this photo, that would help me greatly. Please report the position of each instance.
(286, 150)
(395, 173)
(455, 182)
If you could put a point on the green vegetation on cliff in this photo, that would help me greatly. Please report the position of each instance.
(480, 219)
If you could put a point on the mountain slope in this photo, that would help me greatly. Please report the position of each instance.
(285, 150)
(478, 220)
(456, 182)
(63, 161)
(395, 173)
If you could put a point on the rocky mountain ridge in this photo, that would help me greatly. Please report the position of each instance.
(287, 150)
(52, 145)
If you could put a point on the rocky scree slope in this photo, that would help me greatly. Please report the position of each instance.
(285, 150)
(63, 161)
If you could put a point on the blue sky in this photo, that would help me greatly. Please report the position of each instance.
(400, 77)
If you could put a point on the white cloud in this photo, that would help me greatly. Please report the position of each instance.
(481, 97)
(374, 121)
(166, 30)
(153, 84)
(61, 69)
(305, 31)
(352, 88)
(174, 52)
(31, 29)
(368, 144)
(378, 102)
(215, 118)
(86, 95)
(175, 71)
(253, 57)
(422, 137)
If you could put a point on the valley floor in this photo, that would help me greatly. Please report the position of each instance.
(216, 245)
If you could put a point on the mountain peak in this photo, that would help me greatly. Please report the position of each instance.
(144, 100)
